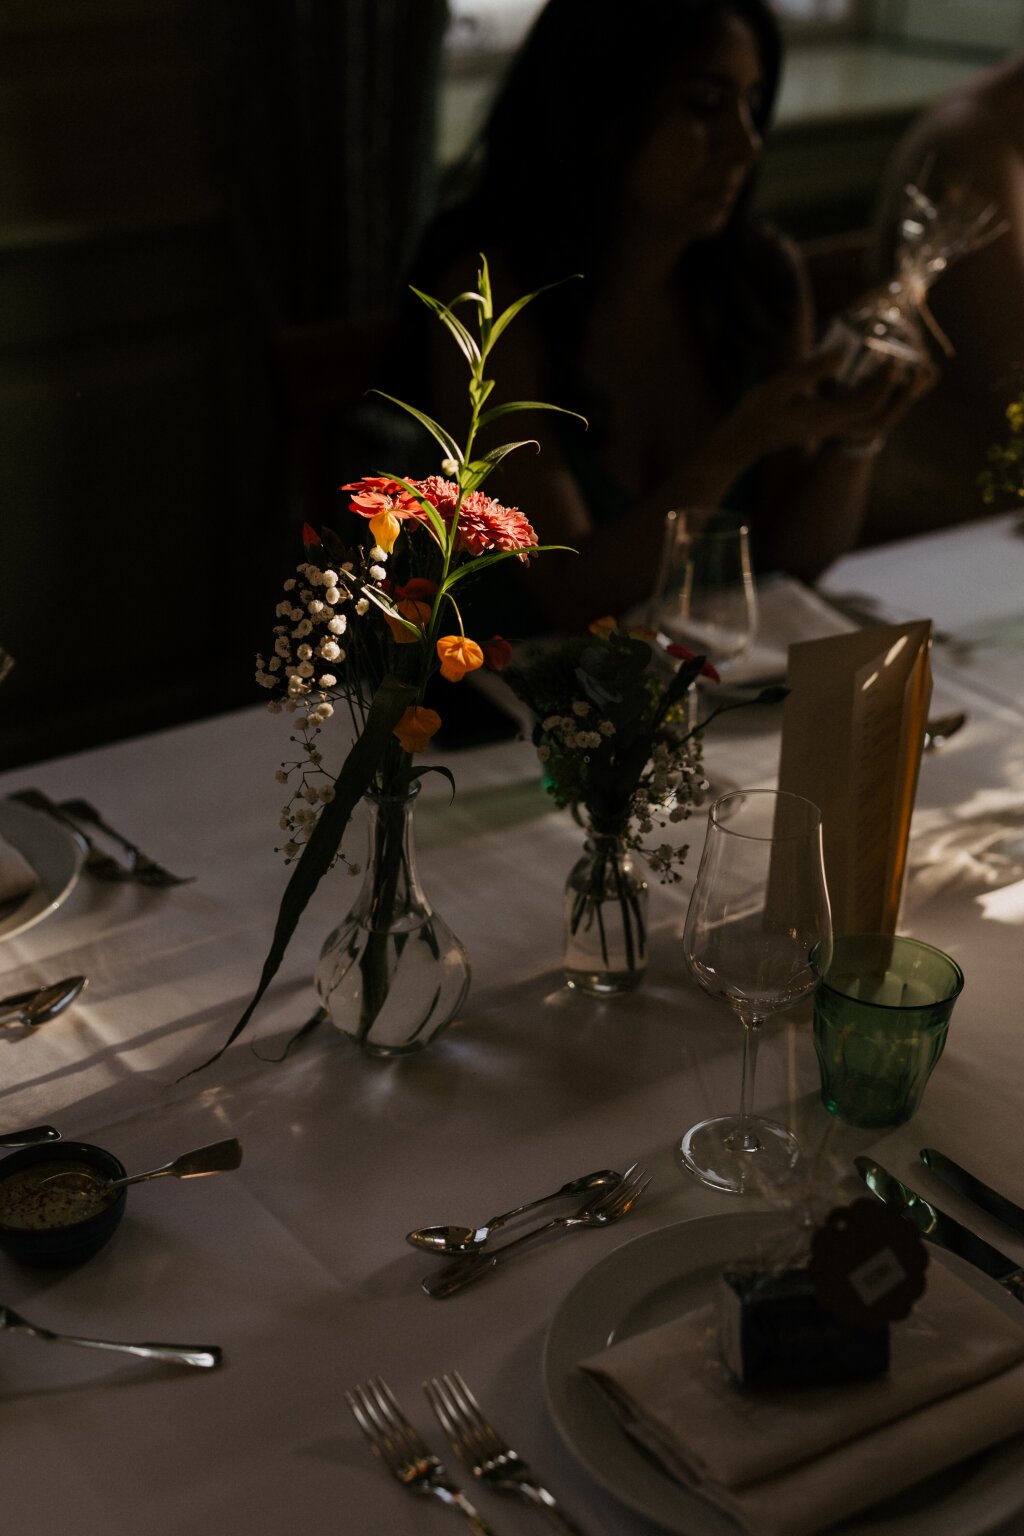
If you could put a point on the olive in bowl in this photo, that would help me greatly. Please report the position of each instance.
(65, 1221)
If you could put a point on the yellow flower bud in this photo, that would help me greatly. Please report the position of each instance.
(385, 528)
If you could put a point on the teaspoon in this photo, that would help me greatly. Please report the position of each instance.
(30, 1138)
(218, 1157)
(472, 1239)
(41, 1003)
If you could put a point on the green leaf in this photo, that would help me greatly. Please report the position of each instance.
(386, 709)
(476, 471)
(507, 316)
(465, 338)
(480, 562)
(445, 773)
(498, 411)
(446, 440)
(386, 606)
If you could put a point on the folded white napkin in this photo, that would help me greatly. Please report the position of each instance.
(17, 877)
(790, 1463)
(787, 612)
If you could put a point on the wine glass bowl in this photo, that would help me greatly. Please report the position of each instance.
(757, 936)
(705, 597)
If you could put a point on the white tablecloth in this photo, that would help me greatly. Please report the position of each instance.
(296, 1264)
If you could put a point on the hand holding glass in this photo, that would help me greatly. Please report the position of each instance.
(758, 935)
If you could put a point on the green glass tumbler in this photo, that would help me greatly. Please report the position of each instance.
(881, 1012)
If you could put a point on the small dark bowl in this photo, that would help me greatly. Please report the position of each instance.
(60, 1247)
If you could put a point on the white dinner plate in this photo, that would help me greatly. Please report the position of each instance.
(657, 1277)
(55, 854)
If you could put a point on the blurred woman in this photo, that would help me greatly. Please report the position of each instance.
(623, 147)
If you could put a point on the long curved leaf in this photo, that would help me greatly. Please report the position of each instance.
(386, 709)
(480, 562)
(507, 316)
(437, 432)
(464, 337)
(498, 411)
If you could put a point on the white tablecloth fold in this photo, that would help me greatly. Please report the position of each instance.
(790, 1463)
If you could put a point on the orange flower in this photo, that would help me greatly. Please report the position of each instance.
(416, 613)
(605, 626)
(416, 727)
(385, 528)
(458, 656)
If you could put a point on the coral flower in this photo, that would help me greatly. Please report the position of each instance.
(458, 656)
(497, 653)
(416, 727)
(385, 528)
(418, 589)
(484, 524)
(376, 494)
(416, 613)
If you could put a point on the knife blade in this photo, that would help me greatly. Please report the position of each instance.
(938, 1228)
(972, 1188)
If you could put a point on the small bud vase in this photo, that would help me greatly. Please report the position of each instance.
(605, 918)
(393, 974)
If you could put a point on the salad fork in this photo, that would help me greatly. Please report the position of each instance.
(608, 1207)
(484, 1452)
(404, 1454)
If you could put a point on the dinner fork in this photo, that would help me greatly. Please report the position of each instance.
(171, 1354)
(610, 1206)
(404, 1454)
(100, 865)
(144, 869)
(484, 1452)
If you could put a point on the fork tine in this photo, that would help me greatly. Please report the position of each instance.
(469, 1406)
(380, 1443)
(607, 1197)
(439, 1398)
(396, 1419)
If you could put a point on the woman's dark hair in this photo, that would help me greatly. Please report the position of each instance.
(579, 99)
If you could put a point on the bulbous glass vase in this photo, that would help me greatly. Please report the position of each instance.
(605, 918)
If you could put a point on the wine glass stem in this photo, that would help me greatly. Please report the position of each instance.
(744, 1139)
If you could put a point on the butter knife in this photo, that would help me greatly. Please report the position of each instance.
(938, 1228)
(981, 1195)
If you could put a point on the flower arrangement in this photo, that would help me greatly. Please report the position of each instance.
(362, 630)
(613, 733)
(1005, 473)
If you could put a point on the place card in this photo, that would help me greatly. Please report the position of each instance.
(852, 735)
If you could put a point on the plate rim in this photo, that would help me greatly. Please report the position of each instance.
(15, 818)
(697, 1516)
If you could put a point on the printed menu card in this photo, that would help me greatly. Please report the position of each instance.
(852, 736)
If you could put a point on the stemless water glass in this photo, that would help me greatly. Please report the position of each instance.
(705, 596)
(758, 935)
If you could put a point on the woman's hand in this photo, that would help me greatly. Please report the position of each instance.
(805, 404)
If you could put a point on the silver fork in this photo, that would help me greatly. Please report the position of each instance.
(610, 1206)
(402, 1451)
(484, 1452)
(144, 869)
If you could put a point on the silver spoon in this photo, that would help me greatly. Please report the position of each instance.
(942, 728)
(41, 1003)
(218, 1157)
(472, 1239)
(31, 1137)
(203, 1356)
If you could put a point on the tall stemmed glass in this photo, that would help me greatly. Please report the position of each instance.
(758, 934)
(705, 597)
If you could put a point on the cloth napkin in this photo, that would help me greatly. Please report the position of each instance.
(787, 612)
(791, 1463)
(17, 877)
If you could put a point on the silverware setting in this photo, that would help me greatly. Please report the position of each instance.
(972, 1189)
(101, 865)
(403, 1452)
(218, 1157)
(461, 1240)
(600, 1211)
(487, 1454)
(30, 1138)
(202, 1356)
(40, 1004)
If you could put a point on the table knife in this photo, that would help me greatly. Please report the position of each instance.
(938, 1228)
(981, 1195)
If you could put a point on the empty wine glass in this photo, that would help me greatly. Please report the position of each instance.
(758, 934)
(705, 597)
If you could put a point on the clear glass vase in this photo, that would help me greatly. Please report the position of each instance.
(605, 918)
(393, 974)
